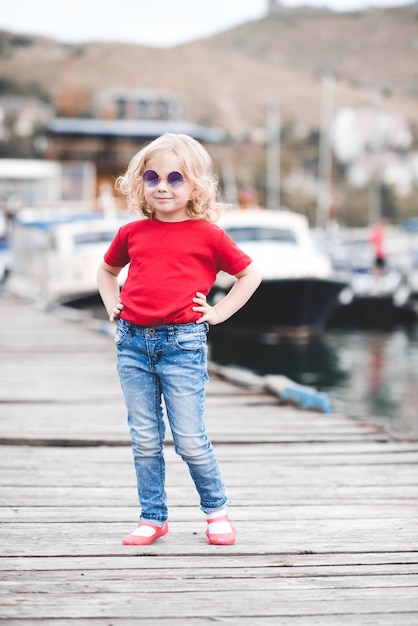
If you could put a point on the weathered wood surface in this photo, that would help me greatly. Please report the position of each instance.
(325, 506)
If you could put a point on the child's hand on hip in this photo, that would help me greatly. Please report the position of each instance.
(209, 313)
(116, 311)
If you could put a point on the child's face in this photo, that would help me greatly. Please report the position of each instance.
(168, 201)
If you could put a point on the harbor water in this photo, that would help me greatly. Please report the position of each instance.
(371, 375)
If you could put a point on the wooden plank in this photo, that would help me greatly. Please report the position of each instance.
(354, 576)
(223, 564)
(280, 537)
(191, 604)
(371, 619)
(286, 512)
(182, 495)
(70, 464)
(300, 455)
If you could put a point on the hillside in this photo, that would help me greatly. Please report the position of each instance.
(227, 79)
(378, 47)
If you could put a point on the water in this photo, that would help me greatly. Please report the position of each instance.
(372, 375)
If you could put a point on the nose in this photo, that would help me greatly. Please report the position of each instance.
(162, 184)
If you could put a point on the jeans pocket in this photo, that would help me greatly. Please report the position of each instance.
(122, 330)
(192, 341)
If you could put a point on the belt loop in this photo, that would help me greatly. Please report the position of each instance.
(171, 333)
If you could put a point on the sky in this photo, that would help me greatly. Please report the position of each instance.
(160, 23)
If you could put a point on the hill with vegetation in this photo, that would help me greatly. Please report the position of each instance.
(226, 80)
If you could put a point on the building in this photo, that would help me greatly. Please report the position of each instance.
(125, 121)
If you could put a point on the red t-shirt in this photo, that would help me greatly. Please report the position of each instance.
(169, 262)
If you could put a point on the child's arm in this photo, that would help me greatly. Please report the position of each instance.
(107, 281)
(246, 283)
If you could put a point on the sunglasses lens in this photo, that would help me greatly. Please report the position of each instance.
(175, 179)
(150, 178)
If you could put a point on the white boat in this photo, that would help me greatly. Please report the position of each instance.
(374, 298)
(56, 255)
(299, 292)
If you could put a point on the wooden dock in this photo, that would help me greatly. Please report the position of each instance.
(325, 506)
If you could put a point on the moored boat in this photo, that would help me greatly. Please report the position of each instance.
(56, 255)
(298, 292)
(377, 297)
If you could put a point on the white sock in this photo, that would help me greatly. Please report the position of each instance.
(218, 528)
(145, 530)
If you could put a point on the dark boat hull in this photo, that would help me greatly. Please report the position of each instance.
(373, 312)
(287, 306)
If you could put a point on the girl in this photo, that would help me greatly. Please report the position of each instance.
(163, 318)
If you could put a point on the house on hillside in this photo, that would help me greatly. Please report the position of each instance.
(137, 104)
(375, 146)
(20, 118)
(42, 184)
(124, 121)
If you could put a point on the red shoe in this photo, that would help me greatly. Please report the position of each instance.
(143, 540)
(221, 539)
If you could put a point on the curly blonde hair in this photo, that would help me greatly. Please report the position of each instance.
(196, 166)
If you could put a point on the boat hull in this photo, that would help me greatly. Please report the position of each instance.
(373, 313)
(376, 301)
(290, 306)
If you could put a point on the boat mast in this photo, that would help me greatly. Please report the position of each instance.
(325, 152)
(273, 155)
(230, 183)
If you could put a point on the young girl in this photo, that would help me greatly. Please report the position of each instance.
(163, 318)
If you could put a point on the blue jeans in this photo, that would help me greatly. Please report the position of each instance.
(167, 362)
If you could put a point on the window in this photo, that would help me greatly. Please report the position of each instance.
(261, 233)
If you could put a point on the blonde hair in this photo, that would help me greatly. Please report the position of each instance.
(196, 165)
